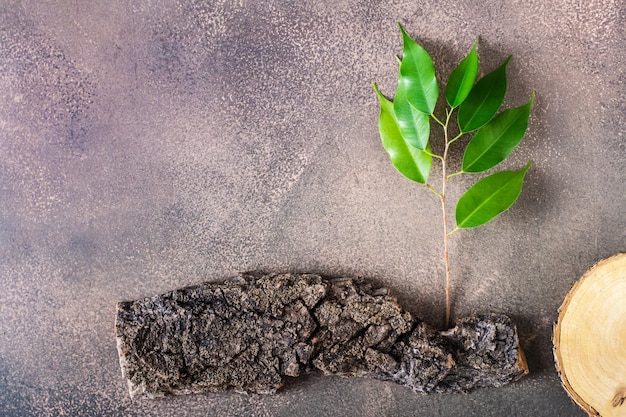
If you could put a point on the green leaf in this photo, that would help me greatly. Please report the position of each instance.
(417, 73)
(462, 79)
(484, 100)
(489, 197)
(494, 142)
(414, 125)
(409, 161)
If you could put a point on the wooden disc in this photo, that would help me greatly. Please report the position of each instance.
(590, 339)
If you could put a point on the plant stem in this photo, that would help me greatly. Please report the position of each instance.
(455, 138)
(456, 173)
(439, 121)
(442, 197)
(433, 190)
(456, 229)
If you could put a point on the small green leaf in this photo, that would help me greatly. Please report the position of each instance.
(462, 79)
(411, 162)
(489, 197)
(414, 125)
(494, 141)
(484, 100)
(417, 73)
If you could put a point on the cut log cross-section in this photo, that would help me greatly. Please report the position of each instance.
(590, 339)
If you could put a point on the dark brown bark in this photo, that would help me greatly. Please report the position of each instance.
(247, 334)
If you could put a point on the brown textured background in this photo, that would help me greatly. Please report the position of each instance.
(146, 146)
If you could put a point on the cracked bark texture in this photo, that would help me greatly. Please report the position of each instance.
(249, 333)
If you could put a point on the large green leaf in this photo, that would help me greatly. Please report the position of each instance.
(417, 73)
(411, 162)
(462, 79)
(414, 125)
(489, 197)
(484, 100)
(494, 141)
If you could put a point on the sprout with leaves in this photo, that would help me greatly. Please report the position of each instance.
(404, 126)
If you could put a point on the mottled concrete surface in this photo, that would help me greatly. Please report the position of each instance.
(148, 145)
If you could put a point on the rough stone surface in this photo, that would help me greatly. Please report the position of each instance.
(150, 145)
(248, 334)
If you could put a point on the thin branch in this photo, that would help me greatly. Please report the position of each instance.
(456, 229)
(434, 155)
(438, 121)
(456, 173)
(445, 218)
(457, 137)
(437, 193)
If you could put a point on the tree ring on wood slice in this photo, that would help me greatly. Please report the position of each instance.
(590, 339)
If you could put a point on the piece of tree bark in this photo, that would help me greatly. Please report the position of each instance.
(589, 339)
(247, 334)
